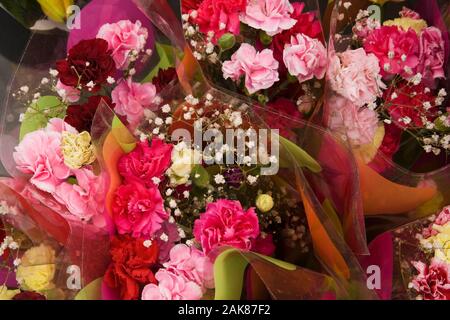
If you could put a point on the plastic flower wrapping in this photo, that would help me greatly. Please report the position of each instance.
(202, 152)
(386, 95)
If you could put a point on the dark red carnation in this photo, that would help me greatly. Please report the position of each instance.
(307, 24)
(132, 266)
(88, 61)
(81, 116)
(29, 296)
(408, 105)
(163, 78)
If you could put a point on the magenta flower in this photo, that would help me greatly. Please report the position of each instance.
(226, 223)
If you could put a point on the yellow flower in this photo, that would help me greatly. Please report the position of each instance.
(405, 23)
(183, 161)
(37, 269)
(6, 294)
(440, 243)
(264, 203)
(56, 10)
(77, 149)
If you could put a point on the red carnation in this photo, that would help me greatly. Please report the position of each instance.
(409, 104)
(307, 24)
(81, 116)
(132, 266)
(283, 116)
(89, 64)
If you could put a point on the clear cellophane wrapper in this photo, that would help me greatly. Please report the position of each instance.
(82, 248)
(329, 193)
(387, 187)
(284, 89)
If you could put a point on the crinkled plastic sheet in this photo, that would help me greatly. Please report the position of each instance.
(84, 245)
(436, 13)
(332, 248)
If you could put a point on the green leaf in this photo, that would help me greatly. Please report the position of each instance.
(166, 55)
(38, 115)
(229, 272)
(200, 176)
(92, 291)
(302, 157)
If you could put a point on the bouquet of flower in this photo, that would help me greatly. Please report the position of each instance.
(387, 81)
(270, 51)
(422, 258)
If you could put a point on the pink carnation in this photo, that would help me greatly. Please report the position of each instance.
(397, 50)
(271, 16)
(433, 281)
(357, 124)
(124, 38)
(138, 210)
(131, 98)
(225, 223)
(220, 16)
(83, 199)
(146, 162)
(192, 264)
(39, 155)
(355, 75)
(432, 55)
(172, 287)
(305, 58)
(260, 68)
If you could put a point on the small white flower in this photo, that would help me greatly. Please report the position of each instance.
(45, 81)
(149, 52)
(156, 131)
(111, 80)
(417, 79)
(166, 108)
(387, 67)
(169, 120)
(391, 54)
(219, 179)
(90, 84)
(186, 194)
(156, 180)
(164, 237)
(189, 243)
(252, 179)
(53, 72)
(25, 89)
(181, 233)
(173, 204)
(222, 26)
(159, 121)
(185, 17)
(194, 14)
(169, 192)
(236, 118)
(17, 262)
(148, 243)
(403, 57)
(132, 72)
(427, 105)
(347, 5)
(177, 212)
